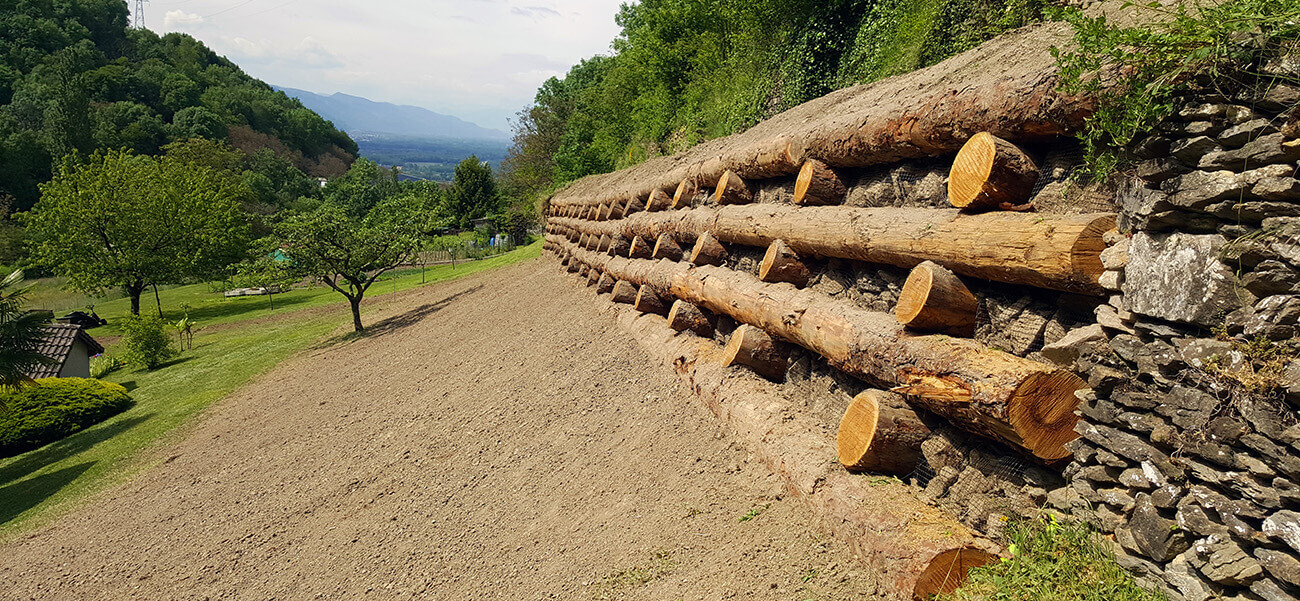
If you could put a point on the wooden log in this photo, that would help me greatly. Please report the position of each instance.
(573, 267)
(615, 210)
(755, 349)
(708, 251)
(732, 190)
(603, 214)
(1021, 403)
(685, 316)
(618, 246)
(633, 205)
(583, 270)
(666, 248)
(593, 276)
(1059, 252)
(818, 184)
(640, 248)
(624, 292)
(647, 301)
(684, 197)
(781, 264)
(582, 240)
(603, 244)
(658, 201)
(903, 540)
(934, 300)
(880, 433)
(605, 284)
(991, 173)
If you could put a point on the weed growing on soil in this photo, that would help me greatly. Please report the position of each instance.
(1052, 561)
(755, 512)
(612, 586)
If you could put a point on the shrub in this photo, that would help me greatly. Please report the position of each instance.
(54, 408)
(102, 365)
(146, 341)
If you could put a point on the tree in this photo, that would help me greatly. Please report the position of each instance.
(271, 270)
(20, 334)
(350, 253)
(473, 193)
(133, 221)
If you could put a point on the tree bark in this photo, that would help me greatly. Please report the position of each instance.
(624, 292)
(991, 173)
(781, 264)
(649, 302)
(356, 314)
(603, 244)
(667, 248)
(708, 251)
(880, 433)
(818, 184)
(755, 349)
(592, 277)
(684, 197)
(685, 316)
(134, 291)
(658, 201)
(1059, 252)
(934, 300)
(632, 205)
(732, 190)
(1022, 403)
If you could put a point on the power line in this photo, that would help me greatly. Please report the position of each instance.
(139, 14)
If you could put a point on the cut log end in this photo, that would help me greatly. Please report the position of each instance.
(605, 284)
(817, 184)
(658, 201)
(755, 349)
(949, 570)
(684, 197)
(624, 292)
(935, 300)
(988, 172)
(686, 316)
(647, 301)
(640, 248)
(781, 264)
(880, 433)
(666, 248)
(708, 251)
(1085, 254)
(732, 190)
(1041, 411)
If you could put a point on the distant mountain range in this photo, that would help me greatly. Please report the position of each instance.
(359, 116)
(425, 144)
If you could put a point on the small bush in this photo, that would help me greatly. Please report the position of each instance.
(54, 408)
(1052, 561)
(146, 341)
(102, 365)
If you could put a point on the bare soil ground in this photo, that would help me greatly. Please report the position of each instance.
(494, 438)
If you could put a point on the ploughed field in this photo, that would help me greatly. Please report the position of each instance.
(493, 437)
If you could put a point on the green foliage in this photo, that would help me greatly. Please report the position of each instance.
(146, 343)
(473, 194)
(102, 365)
(55, 408)
(20, 334)
(74, 77)
(1137, 72)
(685, 71)
(349, 245)
(120, 219)
(1052, 561)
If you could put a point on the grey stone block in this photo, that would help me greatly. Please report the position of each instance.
(1179, 277)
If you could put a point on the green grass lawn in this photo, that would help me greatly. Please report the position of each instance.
(39, 485)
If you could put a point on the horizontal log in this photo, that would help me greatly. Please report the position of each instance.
(1022, 403)
(934, 300)
(1058, 252)
(930, 112)
(658, 201)
(818, 184)
(732, 190)
(755, 349)
(684, 316)
(991, 173)
(684, 197)
(880, 433)
(916, 549)
(780, 264)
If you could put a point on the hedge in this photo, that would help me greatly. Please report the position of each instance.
(53, 408)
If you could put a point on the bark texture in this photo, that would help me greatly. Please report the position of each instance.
(684, 316)
(755, 349)
(781, 264)
(818, 184)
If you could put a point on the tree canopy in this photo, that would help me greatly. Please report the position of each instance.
(473, 192)
(74, 77)
(20, 334)
(121, 219)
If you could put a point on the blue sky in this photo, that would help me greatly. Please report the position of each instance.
(480, 60)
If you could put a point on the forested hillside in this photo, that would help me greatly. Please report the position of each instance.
(75, 78)
(684, 71)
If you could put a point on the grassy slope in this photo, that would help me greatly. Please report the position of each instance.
(37, 486)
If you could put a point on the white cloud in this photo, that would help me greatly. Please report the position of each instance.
(480, 60)
(179, 19)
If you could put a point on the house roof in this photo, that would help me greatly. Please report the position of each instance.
(57, 344)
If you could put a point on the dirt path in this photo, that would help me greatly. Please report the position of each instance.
(494, 439)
